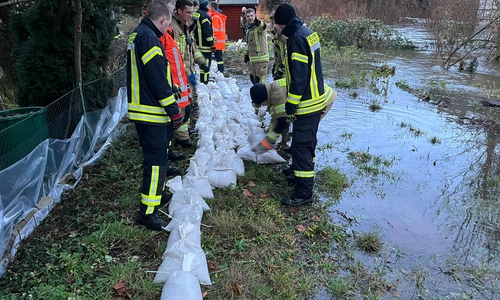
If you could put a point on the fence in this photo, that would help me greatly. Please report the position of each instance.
(48, 145)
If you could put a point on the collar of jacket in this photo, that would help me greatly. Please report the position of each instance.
(292, 26)
(150, 24)
(179, 20)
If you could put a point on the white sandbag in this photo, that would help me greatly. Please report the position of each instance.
(184, 197)
(189, 213)
(195, 260)
(270, 157)
(181, 285)
(201, 184)
(222, 177)
(174, 184)
(246, 153)
(188, 232)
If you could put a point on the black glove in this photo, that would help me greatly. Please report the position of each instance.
(257, 22)
(177, 121)
(205, 68)
(187, 112)
(280, 72)
(247, 58)
(176, 90)
(213, 49)
(290, 109)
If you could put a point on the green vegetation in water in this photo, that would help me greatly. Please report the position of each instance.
(369, 242)
(435, 140)
(331, 182)
(361, 33)
(375, 106)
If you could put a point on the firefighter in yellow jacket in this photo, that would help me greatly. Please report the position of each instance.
(257, 52)
(273, 95)
(279, 47)
(306, 99)
(151, 106)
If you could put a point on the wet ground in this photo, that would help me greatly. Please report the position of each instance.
(431, 186)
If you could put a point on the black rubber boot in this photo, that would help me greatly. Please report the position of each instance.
(151, 221)
(302, 193)
(173, 171)
(174, 156)
(296, 201)
(185, 143)
(165, 198)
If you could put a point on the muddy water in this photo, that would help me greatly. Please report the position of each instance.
(429, 202)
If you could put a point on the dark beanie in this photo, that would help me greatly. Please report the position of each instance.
(284, 13)
(203, 3)
(258, 93)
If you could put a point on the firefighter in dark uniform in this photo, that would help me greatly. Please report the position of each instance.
(204, 36)
(151, 106)
(306, 99)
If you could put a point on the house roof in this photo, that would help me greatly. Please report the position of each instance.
(238, 2)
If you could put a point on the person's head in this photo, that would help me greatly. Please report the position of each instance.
(159, 13)
(171, 5)
(214, 6)
(184, 9)
(243, 9)
(258, 94)
(283, 14)
(203, 4)
(250, 15)
(196, 4)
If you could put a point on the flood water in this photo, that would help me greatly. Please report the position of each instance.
(433, 201)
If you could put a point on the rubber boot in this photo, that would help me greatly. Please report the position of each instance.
(151, 221)
(302, 193)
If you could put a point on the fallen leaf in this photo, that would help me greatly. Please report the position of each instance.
(264, 196)
(300, 228)
(237, 288)
(119, 288)
(294, 210)
(212, 266)
(247, 193)
(251, 183)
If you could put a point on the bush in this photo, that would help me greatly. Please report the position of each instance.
(362, 33)
(43, 38)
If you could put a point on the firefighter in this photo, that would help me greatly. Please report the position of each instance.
(273, 95)
(279, 46)
(151, 106)
(256, 53)
(306, 99)
(204, 36)
(179, 78)
(189, 51)
(219, 28)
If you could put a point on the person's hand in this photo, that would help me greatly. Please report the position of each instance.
(291, 118)
(279, 72)
(176, 90)
(247, 58)
(265, 145)
(177, 121)
(290, 109)
(205, 68)
(257, 22)
(213, 49)
(192, 80)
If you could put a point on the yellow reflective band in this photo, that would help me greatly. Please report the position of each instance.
(135, 86)
(220, 62)
(261, 58)
(293, 99)
(299, 57)
(280, 108)
(204, 21)
(273, 135)
(132, 37)
(313, 40)
(196, 15)
(153, 181)
(282, 82)
(167, 101)
(197, 55)
(151, 202)
(304, 174)
(183, 128)
(151, 54)
(141, 117)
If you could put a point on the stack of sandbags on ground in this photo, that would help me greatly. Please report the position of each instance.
(184, 265)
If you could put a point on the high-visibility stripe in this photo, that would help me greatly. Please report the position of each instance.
(151, 54)
(259, 58)
(280, 108)
(272, 135)
(293, 99)
(304, 174)
(142, 117)
(300, 57)
(167, 101)
(183, 128)
(282, 81)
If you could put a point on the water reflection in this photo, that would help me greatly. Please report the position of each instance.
(433, 203)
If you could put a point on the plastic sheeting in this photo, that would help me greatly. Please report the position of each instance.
(30, 188)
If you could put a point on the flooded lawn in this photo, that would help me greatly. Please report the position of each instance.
(425, 176)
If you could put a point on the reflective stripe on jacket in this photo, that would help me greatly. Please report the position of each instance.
(304, 72)
(257, 43)
(149, 92)
(176, 66)
(219, 28)
(203, 32)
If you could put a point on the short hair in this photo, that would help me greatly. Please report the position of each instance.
(157, 9)
(249, 10)
(181, 4)
(214, 5)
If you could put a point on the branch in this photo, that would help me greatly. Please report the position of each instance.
(12, 2)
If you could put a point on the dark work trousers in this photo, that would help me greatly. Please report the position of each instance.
(154, 142)
(303, 148)
(204, 76)
(220, 60)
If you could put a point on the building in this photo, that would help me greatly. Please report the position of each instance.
(232, 9)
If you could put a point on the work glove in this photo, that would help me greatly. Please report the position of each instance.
(290, 108)
(257, 22)
(213, 49)
(192, 80)
(279, 73)
(177, 121)
(205, 68)
(247, 58)
(265, 145)
(187, 112)
(176, 90)
(291, 118)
